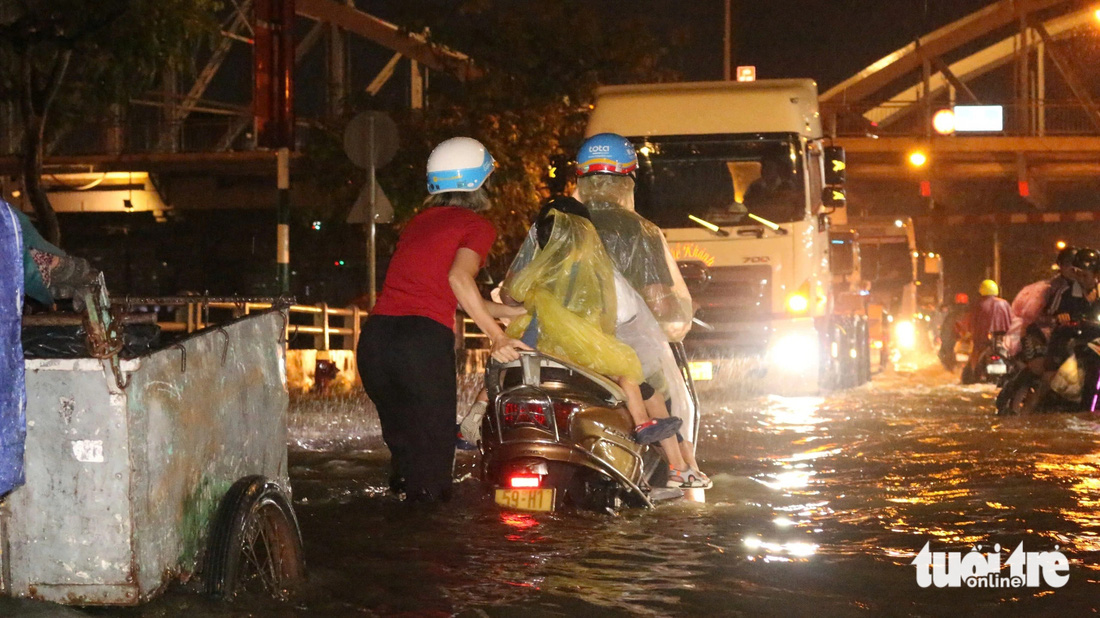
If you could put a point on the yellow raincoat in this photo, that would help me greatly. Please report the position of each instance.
(569, 285)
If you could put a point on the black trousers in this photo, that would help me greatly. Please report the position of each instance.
(407, 364)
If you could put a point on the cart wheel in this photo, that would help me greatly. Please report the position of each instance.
(255, 546)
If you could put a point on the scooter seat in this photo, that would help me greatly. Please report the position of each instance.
(533, 363)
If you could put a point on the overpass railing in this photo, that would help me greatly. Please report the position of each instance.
(908, 119)
(324, 327)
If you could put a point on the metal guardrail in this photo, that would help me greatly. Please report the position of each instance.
(194, 313)
(470, 331)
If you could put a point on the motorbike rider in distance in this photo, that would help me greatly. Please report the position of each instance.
(1077, 317)
(1088, 274)
(580, 309)
(989, 319)
(949, 329)
(1066, 296)
(1045, 315)
(1070, 308)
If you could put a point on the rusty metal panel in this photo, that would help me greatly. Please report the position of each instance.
(122, 485)
(71, 523)
(203, 415)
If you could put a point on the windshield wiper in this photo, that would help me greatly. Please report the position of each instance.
(708, 225)
(774, 226)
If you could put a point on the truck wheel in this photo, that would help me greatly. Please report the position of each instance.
(828, 370)
(1018, 395)
(255, 545)
(863, 344)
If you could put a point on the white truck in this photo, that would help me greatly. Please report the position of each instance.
(739, 178)
(905, 284)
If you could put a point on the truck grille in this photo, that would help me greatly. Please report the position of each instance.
(730, 294)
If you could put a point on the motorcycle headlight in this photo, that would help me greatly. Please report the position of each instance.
(906, 334)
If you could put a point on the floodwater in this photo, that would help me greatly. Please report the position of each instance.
(819, 506)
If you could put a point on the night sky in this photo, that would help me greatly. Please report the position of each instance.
(827, 40)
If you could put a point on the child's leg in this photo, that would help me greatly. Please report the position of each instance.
(683, 453)
(646, 430)
(634, 403)
(672, 453)
(687, 449)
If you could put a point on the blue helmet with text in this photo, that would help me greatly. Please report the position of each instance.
(606, 153)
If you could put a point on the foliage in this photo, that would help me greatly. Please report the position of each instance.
(119, 46)
(541, 63)
(67, 61)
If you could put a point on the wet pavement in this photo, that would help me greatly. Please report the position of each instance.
(819, 506)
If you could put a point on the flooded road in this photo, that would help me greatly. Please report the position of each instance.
(819, 506)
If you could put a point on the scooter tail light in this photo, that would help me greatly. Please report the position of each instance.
(519, 412)
(524, 481)
(562, 411)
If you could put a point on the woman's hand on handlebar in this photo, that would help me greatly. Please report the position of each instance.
(505, 349)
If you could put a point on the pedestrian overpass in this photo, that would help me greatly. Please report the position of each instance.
(1031, 57)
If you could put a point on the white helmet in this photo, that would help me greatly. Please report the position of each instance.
(459, 164)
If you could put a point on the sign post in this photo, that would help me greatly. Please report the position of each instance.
(370, 141)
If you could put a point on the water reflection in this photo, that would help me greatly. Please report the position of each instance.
(784, 552)
(819, 506)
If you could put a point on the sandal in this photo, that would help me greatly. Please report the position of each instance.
(656, 430)
(688, 479)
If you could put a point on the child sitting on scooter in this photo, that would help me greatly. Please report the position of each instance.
(582, 310)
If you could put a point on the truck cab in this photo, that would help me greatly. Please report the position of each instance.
(741, 181)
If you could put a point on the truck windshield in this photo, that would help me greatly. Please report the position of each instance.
(720, 178)
(886, 264)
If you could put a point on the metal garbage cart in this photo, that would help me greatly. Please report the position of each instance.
(145, 471)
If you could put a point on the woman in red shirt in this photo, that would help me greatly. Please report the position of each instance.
(406, 350)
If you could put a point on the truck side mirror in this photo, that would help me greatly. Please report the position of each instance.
(836, 171)
(834, 197)
(836, 174)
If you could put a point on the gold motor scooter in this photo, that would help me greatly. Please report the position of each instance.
(557, 435)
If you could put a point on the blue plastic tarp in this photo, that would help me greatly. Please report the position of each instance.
(13, 421)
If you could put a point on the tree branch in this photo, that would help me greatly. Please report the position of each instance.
(56, 78)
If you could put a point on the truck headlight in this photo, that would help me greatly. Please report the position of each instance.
(906, 334)
(797, 302)
(795, 351)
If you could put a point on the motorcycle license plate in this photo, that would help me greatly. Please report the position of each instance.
(996, 369)
(526, 499)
